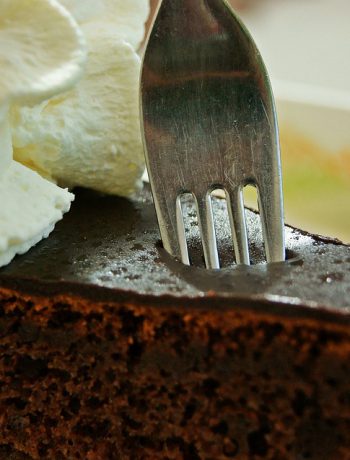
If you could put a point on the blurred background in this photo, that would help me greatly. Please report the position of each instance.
(306, 47)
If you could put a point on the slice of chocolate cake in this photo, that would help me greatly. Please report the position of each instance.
(112, 350)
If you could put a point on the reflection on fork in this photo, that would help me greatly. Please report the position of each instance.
(209, 122)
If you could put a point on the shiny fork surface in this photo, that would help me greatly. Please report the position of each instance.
(209, 122)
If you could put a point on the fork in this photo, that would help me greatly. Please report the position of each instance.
(209, 122)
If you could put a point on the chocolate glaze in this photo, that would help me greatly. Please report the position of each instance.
(109, 248)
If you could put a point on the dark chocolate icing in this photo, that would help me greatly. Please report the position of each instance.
(109, 248)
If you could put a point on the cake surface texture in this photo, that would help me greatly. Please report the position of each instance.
(110, 349)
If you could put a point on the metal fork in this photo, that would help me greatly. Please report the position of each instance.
(209, 122)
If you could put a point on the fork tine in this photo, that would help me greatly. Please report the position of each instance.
(181, 233)
(207, 231)
(236, 213)
(272, 220)
(171, 226)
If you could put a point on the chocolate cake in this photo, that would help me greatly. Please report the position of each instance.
(110, 349)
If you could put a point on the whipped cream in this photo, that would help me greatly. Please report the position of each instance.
(5, 140)
(90, 136)
(32, 70)
(42, 50)
(30, 208)
(126, 19)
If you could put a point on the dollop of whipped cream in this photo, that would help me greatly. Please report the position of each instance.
(32, 70)
(90, 136)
